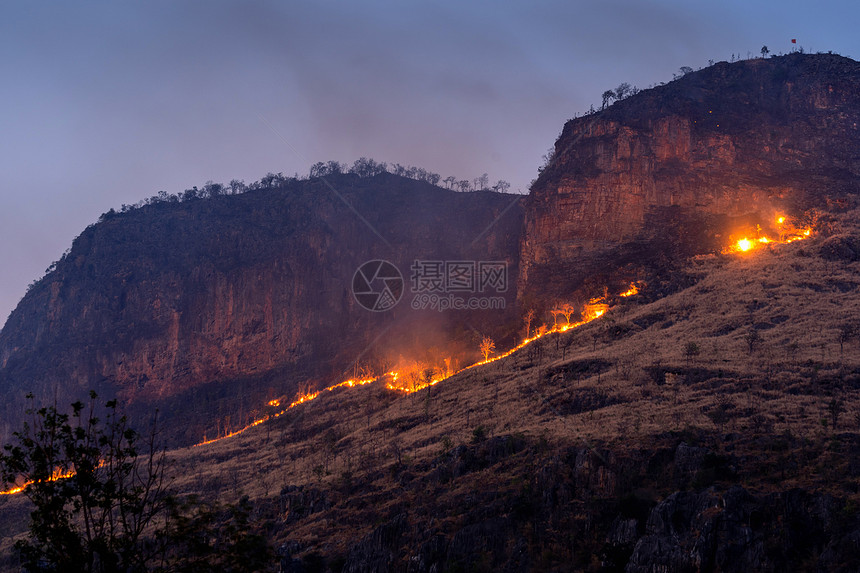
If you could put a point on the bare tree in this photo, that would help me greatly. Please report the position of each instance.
(530, 315)
(481, 182)
(487, 347)
(501, 187)
(753, 340)
(567, 310)
(237, 186)
(548, 158)
(364, 167)
(555, 312)
(567, 344)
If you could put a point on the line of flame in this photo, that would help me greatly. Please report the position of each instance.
(790, 235)
(57, 475)
(595, 308)
(303, 398)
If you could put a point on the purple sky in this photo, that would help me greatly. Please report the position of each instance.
(104, 103)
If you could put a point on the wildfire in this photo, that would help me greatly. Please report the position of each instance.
(57, 475)
(415, 376)
(302, 398)
(420, 376)
(634, 289)
(787, 234)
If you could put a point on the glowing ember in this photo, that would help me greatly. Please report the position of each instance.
(630, 291)
(744, 244)
(788, 233)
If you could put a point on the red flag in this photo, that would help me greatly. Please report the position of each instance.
(794, 40)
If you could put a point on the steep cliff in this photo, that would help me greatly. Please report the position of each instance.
(207, 308)
(678, 169)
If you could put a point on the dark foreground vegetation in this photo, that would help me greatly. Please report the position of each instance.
(100, 502)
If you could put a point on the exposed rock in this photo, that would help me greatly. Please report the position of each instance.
(377, 552)
(289, 563)
(736, 531)
(205, 308)
(623, 531)
(675, 170)
(688, 461)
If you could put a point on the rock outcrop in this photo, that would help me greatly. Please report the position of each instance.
(208, 308)
(678, 169)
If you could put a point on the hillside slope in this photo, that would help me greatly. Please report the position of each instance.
(614, 446)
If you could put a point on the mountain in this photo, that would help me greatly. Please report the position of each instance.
(686, 167)
(615, 446)
(705, 419)
(208, 308)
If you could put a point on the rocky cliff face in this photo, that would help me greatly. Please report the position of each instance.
(679, 168)
(208, 308)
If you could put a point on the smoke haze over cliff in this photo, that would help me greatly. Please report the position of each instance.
(105, 104)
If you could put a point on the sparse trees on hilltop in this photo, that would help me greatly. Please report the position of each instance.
(607, 96)
(364, 167)
(481, 182)
(623, 90)
(502, 186)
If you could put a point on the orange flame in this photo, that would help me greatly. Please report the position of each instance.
(57, 475)
(787, 234)
(303, 398)
(594, 309)
(634, 289)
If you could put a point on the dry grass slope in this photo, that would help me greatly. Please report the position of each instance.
(762, 344)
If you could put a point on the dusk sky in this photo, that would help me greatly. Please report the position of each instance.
(105, 103)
